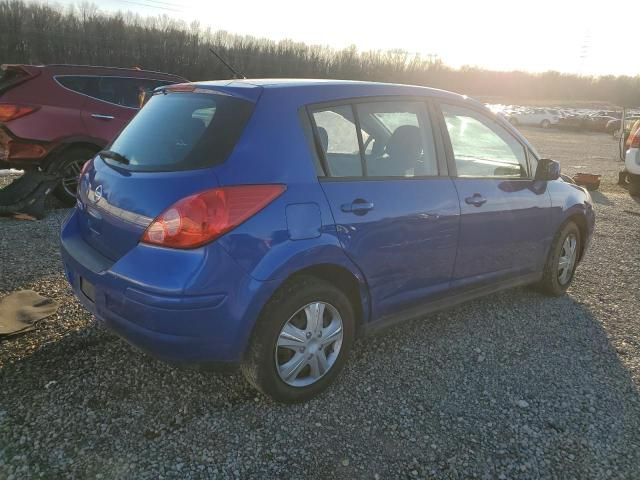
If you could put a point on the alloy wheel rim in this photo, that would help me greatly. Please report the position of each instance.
(70, 177)
(309, 344)
(567, 259)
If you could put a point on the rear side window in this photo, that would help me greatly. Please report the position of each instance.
(77, 84)
(126, 92)
(397, 140)
(182, 131)
(402, 140)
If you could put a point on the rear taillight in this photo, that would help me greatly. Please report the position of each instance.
(11, 112)
(203, 217)
(26, 150)
(19, 150)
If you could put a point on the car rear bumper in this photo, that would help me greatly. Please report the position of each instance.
(174, 318)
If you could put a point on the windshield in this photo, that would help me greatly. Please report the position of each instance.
(182, 131)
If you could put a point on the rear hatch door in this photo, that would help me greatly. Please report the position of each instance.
(170, 150)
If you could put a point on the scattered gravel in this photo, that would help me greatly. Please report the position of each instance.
(515, 385)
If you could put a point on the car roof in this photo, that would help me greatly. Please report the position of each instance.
(70, 69)
(302, 91)
(337, 88)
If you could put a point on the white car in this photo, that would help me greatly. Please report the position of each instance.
(632, 163)
(541, 117)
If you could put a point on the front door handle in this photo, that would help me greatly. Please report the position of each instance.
(358, 206)
(477, 200)
(99, 116)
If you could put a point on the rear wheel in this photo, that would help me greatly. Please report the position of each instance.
(562, 261)
(633, 182)
(68, 165)
(301, 342)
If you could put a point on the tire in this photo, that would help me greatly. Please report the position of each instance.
(265, 363)
(553, 283)
(545, 123)
(623, 178)
(69, 163)
(634, 184)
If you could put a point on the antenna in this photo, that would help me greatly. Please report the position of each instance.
(236, 74)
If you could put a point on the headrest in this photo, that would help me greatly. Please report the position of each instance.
(405, 143)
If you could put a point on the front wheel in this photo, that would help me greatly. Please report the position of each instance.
(301, 341)
(545, 124)
(562, 261)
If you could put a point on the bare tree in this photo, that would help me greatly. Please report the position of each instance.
(44, 33)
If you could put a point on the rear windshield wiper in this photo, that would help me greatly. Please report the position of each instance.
(111, 155)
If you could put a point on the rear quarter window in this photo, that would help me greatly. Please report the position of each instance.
(182, 131)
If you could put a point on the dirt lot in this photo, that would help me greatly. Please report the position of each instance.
(515, 385)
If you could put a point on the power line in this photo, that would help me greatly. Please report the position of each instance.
(168, 4)
(147, 5)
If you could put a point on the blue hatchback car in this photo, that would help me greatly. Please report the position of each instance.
(267, 223)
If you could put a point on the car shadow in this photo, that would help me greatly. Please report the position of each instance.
(515, 378)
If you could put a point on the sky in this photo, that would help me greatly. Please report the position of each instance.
(585, 37)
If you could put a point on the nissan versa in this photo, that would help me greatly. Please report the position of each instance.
(267, 223)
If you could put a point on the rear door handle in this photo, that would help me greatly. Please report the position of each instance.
(477, 200)
(358, 207)
(99, 116)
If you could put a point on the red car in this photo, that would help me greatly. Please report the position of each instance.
(55, 117)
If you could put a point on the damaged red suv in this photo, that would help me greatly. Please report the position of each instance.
(55, 117)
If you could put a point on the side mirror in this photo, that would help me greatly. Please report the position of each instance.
(547, 170)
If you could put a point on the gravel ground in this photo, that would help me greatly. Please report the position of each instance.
(515, 385)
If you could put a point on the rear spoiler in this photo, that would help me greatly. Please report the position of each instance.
(242, 90)
(12, 75)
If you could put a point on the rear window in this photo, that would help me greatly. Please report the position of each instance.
(182, 131)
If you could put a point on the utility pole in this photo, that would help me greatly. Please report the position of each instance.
(584, 51)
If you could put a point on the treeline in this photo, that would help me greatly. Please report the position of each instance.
(38, 33)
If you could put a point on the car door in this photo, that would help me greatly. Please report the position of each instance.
(505, 214)
(396, 212)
